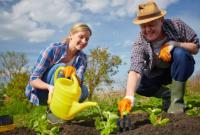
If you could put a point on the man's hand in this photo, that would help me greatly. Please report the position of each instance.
(165, 51)
(69, 70)
(50, 89)
(125, 105)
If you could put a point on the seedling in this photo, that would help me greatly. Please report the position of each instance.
(156, 118)
(40, 126)
(195, 111)
(106, 123)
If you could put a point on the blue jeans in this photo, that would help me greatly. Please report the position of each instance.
(181, 69)
(48, 77)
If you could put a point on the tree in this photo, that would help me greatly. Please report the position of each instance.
(11, 63)
(14, 79)
(101, 66)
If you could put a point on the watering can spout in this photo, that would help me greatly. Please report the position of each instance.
(77, 107)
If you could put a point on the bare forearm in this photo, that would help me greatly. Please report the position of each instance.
(39, 84)
(191, 47)
(132, 83)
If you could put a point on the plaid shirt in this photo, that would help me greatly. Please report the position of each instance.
(142, 57)
(47, 58)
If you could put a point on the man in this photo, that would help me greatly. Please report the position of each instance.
(162, 55)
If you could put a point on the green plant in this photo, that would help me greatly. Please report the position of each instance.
(87, 114)
(16, 86)
(195, 111)
(41, 127)
(156, 118)
(15, 107)
(143, 103)
(106, 123)
(101, 66)
(14, 101)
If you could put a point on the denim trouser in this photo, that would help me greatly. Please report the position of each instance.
(181, 69)
(49, 78)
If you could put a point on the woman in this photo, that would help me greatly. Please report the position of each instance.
(69, 52)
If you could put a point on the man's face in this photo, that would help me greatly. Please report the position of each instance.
(152, 31)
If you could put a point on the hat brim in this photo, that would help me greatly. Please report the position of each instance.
(141, 21)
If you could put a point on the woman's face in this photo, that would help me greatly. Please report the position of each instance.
(79, 40)
(152, 31)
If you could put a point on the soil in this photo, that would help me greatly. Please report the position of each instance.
(179, 124)
(19, 131)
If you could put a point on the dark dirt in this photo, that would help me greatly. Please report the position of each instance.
(179, 124)
(19, 131)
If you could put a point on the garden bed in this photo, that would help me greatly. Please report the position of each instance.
(179, 124)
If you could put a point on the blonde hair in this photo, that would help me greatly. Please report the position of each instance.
(77, 28)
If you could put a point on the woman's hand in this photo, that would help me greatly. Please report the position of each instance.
(50, 89)
(69, 70)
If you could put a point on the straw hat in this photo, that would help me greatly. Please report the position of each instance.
(148, 12)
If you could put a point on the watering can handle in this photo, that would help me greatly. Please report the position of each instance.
(73, 75)
(57, 72)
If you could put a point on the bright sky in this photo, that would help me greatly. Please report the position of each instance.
(30, 25)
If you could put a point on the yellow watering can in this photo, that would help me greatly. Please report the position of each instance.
(64, 102)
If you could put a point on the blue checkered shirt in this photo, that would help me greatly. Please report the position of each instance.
(47, 58)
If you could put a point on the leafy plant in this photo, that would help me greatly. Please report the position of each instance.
(107, 123)
(40, 126)
(13, 100)
(156, 118)
(194, 111)
(101, 66)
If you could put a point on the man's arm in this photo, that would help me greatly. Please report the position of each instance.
(165, 54)
(125, 104)
(191, 47)
(132, 83)
(191, 41)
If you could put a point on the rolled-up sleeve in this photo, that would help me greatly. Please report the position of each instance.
(137, 58)
(43, 62)
(188, 34)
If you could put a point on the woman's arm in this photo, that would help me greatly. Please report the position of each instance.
(44, 61)
(39, 84)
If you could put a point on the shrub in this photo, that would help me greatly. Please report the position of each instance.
(14, 100)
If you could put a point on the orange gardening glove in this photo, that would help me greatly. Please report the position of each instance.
(165, 51)
(124, 106)
(69, 70)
